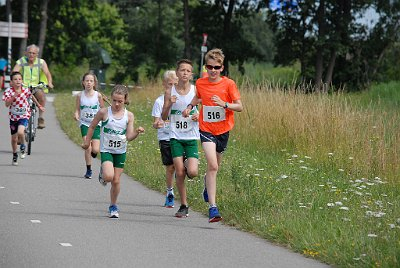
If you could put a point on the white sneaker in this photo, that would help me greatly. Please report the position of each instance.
(113, 210)
(22, 154)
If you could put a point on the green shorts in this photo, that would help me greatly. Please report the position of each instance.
(96, 133)
(189, 148)
(118, 160)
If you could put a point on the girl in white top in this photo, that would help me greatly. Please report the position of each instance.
(88, 102)
(117, 129)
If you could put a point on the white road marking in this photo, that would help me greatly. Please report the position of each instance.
(36, 221)
(2, 187)
(66, 244)
(14, 203)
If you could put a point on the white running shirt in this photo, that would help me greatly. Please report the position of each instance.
(89, 106)
(183, 128)
(164, 132)
(113, 134)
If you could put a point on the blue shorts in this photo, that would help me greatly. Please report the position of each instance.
(221, 141)
(14, 125)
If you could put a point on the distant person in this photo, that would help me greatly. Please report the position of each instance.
(31, 68)
(117, 128)
(184, 133)
(16, 98)
(3, 69)
(88, 102)
(220, 98)
(163, 131)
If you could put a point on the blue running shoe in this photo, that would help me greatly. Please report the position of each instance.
(88, 174)
(213, 215)
(205, 194)
(113, 210)
(169, 201)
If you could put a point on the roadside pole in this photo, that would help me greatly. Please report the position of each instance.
(9, 43)
(203, 51)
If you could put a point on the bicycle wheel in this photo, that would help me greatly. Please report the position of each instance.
(30, 135)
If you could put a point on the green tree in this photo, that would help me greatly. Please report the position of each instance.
(331, 44)
(229, 25)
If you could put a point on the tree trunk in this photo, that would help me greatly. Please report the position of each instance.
(24, 15)
(186, 33)
(331, 66)
(227, 30)
(321, 35)
(43, 26)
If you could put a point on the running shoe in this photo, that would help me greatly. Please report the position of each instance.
(88, 174)
(182, 212)
(213, 215)
(113, 211)
(22, 151)
(15, 159)
(169, 201)
(101, 180)
(205, 194)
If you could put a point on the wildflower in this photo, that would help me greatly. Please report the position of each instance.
(338, 203)
(341, 169)
(284, 176)
(344, 208)
(372, 235)
(330, 204)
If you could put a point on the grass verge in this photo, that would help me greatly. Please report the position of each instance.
(309, 172)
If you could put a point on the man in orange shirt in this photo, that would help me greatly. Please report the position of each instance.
(220, 98)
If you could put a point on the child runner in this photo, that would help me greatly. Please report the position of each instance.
(117, 128)
(184, 133)
(220, 98)
(163, 130)
(17, 99)
(88, 102)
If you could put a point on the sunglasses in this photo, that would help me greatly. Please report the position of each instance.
(210, 67)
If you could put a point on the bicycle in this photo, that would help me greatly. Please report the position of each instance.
(30, 131)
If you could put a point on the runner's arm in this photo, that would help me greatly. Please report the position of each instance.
(48, 74)
(77, 107)
(190, 106)
(132, 133)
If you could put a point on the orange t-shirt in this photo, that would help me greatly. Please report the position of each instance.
(227, 90)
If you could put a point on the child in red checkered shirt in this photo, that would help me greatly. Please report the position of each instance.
(17, 99)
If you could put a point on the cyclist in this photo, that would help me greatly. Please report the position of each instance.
(16, 98)
(32, 69)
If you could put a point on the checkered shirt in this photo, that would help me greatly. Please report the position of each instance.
(21, 101)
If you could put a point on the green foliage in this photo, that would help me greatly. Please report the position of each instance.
(333, 32)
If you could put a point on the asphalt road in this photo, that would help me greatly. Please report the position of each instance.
(50, 216)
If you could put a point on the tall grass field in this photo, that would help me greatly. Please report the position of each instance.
(316, 173)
